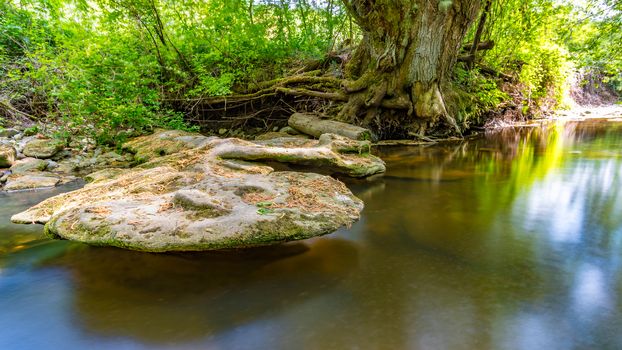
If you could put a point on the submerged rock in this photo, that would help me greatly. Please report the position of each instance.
(42, 148)
(209, 196)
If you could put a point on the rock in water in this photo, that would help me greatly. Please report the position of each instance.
(29, 181)
(211, 196)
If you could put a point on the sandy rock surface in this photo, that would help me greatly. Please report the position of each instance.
(200, 193)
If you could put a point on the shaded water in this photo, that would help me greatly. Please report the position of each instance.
(509, 241)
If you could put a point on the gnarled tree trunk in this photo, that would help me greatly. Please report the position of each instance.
(404, 61)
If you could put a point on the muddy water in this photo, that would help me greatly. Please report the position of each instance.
(508, 241)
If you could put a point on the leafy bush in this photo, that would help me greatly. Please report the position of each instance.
(475, 95)
(104, 67)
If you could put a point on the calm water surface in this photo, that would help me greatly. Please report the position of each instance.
(508, 241)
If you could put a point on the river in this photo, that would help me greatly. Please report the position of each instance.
(511, 240)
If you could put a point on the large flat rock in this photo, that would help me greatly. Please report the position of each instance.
(212, 196)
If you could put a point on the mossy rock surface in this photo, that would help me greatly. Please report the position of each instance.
(28, 164)
(7, 156)
(211, 197)
(163, 143)
(29, 181)
(43, 148)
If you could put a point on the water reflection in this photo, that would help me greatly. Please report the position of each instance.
(14, 238)
(512, 240)
(539, 209)
(166, 298)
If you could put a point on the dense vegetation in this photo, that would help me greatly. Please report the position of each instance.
(111, 68)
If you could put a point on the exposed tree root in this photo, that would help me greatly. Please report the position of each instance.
(377, 99)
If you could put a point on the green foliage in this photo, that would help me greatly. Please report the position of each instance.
(545, 73)
(528, 43)
(265, 208)
(475, 95)
(30, 131)
(595, 40)
(485, 91)
(545, 42)
(114, 68)
(106, 67)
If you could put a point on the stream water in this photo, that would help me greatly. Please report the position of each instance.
(512, 240)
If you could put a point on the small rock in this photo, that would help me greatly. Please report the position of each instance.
(42, 148)
(4, 175)
(16, 182)
(65, 167)
(51, 165)
(8, 132)
(62, 155)
(111, 158)
(7, 155)
(289, 130)
(28, 164)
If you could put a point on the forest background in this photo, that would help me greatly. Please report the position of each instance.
(112, 69)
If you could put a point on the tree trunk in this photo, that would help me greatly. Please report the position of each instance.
(405, 59)
(478, 34)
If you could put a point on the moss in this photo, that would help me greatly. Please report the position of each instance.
(199, 211)
(362, 148)
(281, 230)
(48, 232)
(69, 227)
(243, 190)
(284, 229)
(365, 136)
(264, 232)
(206, 213)
(150, 148)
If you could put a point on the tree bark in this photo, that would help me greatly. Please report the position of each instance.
(478, 34)
(405, 59)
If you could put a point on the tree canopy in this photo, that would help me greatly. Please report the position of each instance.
(109, 68)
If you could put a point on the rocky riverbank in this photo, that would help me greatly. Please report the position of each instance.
(180, 191)
(30, 162)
